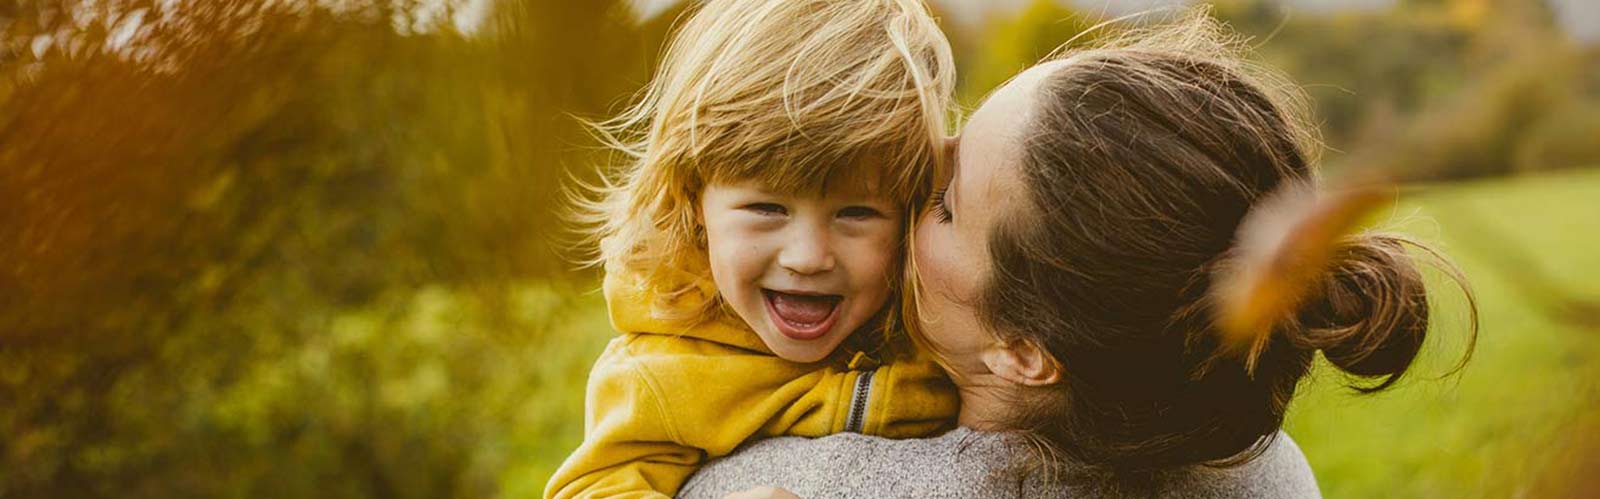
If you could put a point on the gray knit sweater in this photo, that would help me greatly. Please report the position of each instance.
(970, 464)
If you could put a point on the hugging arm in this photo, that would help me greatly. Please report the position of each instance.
(630, 448)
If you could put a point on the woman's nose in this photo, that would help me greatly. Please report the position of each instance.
(807, 255)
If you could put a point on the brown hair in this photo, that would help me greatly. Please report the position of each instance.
(1143, 157)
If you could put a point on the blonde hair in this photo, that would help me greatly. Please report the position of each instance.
(787, 93)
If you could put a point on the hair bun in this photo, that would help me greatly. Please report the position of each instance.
(1286, 247)
(1371, 313)
(1302, 271)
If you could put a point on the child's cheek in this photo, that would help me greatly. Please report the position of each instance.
(885, 259)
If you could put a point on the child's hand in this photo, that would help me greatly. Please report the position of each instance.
(763, 493)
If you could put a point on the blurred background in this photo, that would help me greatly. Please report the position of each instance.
(308, 248)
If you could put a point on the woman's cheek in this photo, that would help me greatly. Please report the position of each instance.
(927, 256)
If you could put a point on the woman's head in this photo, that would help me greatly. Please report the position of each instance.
(795, 97)
(1094, 200)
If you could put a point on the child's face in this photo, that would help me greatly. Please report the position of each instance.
(804, 271)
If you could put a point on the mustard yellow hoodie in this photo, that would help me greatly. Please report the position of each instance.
(662, 400)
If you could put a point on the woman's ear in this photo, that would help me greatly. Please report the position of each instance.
(1023, 363)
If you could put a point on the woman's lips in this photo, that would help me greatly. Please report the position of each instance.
(801, 316)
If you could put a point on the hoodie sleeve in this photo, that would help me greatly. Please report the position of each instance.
(630, 447)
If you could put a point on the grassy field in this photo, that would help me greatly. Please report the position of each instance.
(1519, 420)
(1516, 422)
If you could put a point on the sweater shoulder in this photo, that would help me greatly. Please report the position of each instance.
(1280, 471)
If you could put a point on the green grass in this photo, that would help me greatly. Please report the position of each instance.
(1516, 420)
(1513, 423)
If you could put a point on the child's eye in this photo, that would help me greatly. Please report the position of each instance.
(765, 208)
(859, 212)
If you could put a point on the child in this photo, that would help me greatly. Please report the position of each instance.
(753, 244)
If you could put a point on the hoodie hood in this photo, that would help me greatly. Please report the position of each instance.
(639, 307)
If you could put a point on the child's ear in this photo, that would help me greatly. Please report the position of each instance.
(1023, 363)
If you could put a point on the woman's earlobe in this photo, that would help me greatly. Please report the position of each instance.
(1022, 363)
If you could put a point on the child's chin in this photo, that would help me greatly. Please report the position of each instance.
(806, 354)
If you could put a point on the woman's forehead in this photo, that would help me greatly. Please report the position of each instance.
(1012, 102)
(993, 138)
(989, 151)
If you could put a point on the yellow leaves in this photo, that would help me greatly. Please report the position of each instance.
(1013, 44)
(1470, 14)
(207, 195)
(1284, 248)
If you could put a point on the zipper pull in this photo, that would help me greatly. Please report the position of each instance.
(862, 361)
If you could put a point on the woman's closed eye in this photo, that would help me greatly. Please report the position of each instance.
(941, 210)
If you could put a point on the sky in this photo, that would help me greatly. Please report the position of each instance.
(974, 10)
(1579, 17)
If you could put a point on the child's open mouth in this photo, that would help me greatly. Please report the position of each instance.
(802, 316)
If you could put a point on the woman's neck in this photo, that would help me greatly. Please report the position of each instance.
(985, 401)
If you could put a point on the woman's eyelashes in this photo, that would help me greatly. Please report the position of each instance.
(940, 209)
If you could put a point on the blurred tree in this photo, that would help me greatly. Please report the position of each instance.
(1013, 44)
(219, 221)
(1436, 88)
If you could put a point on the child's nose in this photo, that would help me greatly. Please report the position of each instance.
(806, 256)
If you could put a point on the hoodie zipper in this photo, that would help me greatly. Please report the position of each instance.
(857, 419)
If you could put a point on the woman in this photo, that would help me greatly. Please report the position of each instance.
(1066, 276)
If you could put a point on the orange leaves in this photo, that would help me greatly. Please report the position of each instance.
(1284, 248)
